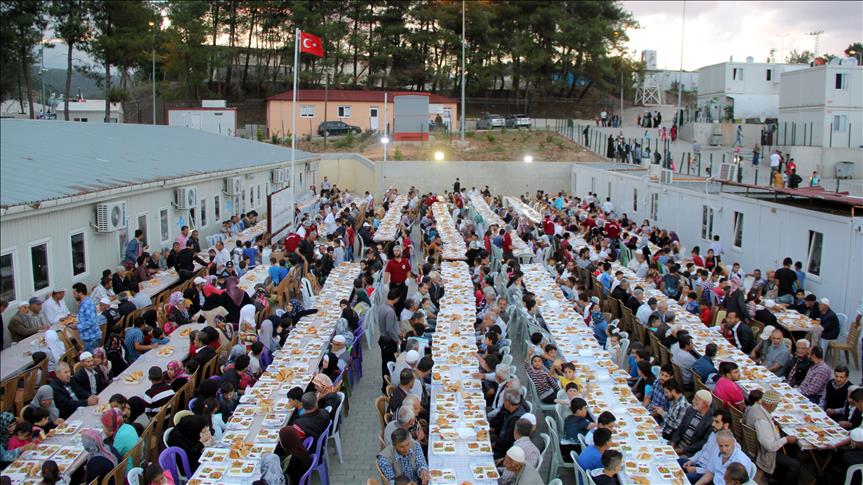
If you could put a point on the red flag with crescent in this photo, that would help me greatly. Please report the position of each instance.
(311, 44)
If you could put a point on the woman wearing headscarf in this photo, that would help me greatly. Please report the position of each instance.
(295, 310)
(44, 399)
(323, 388)
(54, 348)
(207, 389)
(192, 434)
(265, 336)
(292, 449)
(177, 375)
(236, 352)
(7, 426)
(330, 366)
(177, 312)
(101, 458)
(234, 299)
(101, 364)
(115, 352)
(271, 470)
(121, 436)
(735, 300)
(247, 325)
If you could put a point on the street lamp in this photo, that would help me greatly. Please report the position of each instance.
(153, 74)
(385, 140)
(438, 156)
(528, 159)
(857, 55)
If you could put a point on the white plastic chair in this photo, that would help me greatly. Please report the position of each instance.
(391, 367)
(581, 476)
(336, 435)
(853, 469)
(134, 476)
(166, 436)
(506, 359)
(556, 460)
(546, 439)
(556, 481)
(308, 294)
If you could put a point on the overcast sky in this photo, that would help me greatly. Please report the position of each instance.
(717, 30)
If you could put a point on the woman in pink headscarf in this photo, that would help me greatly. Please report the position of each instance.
(234, 298)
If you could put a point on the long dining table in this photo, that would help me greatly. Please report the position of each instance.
(454, 247)
(636, 434)
(389, 226)
(519, 247)
(796, 415)
(63, 444)
(253, 429)
(523, 209)
(459, 444)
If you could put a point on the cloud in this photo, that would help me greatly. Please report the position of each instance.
(717, 31)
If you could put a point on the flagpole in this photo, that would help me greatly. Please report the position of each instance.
(294, 110)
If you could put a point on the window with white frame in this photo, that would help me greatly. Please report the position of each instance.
(307, 111)
(770, 74)
(634, 200)
(840, 123)
(707, 222)
(79, 254)
(164, 234)
(217, 208)
(593, 184)
(203, 212)
(193, 218)
(39, 266)
(813, 260)
(142, 225)
(737, 74)
(738, 230)
(344, 112)
(654, 207)
(841, 80)
(259, 195)
(7, 277)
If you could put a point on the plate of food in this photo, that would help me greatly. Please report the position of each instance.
(133, 377)
(209, 471)
(67, 428)
(167, 350)
(241, 422)
(267, 435)
(242, 468)
(274, 420)
(68, 453)
(442, 476)
(214, 455)
(41, 452)
(101, 408)
(484, 472)
(185, 332)
(239, 449)
(261, 449)
(478, 447)
(444, 447)
(27, 468)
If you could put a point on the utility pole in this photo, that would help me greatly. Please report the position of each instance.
(782, 46)
(153, 73)
(817, 35)
(462, 72)
(680, 72)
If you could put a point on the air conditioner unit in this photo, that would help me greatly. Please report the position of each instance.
(667, 176)
(233, 186)
(278, 176)
(110, 216)
(728, 172)
(186, 198)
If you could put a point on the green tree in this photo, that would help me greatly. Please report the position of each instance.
(854, 50)
(186, 52)
(22, 23)
(70, 22)
(803, 57)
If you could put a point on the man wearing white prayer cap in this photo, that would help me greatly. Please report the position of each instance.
(515, 462)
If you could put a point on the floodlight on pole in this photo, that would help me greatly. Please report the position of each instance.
(438, 156)
(385, 140)
(153, 74)
(528, 159)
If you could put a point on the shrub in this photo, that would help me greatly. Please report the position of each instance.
(397, 154)
(260, 134)
(274, 139)
(469, 134)
(549, 138)
(490, 137)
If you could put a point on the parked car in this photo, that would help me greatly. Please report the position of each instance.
(518, 121)
(330, 128)
(490, 122)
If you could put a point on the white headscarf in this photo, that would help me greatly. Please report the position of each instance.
(265, 335)
(55, 345)
(247, 316)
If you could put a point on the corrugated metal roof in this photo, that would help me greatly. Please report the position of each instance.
(42, 160)
(359, 95)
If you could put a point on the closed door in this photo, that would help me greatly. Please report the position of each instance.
(195, 121)
(373, 118)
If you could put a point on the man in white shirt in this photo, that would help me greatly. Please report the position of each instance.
(645, 310)
(716, 246)
(222, 255)
(607, 206)
(103, 290)
(55, 307)
(775, 159)
(141, 299)
(330, 222)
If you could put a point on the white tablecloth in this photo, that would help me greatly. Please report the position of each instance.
(519, 247)
(523, 209)
(454, 247)
(636, 434)
(388, 229)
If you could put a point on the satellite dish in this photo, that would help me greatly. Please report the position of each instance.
(750, 60)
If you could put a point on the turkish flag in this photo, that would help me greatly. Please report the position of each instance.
(311, 44)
